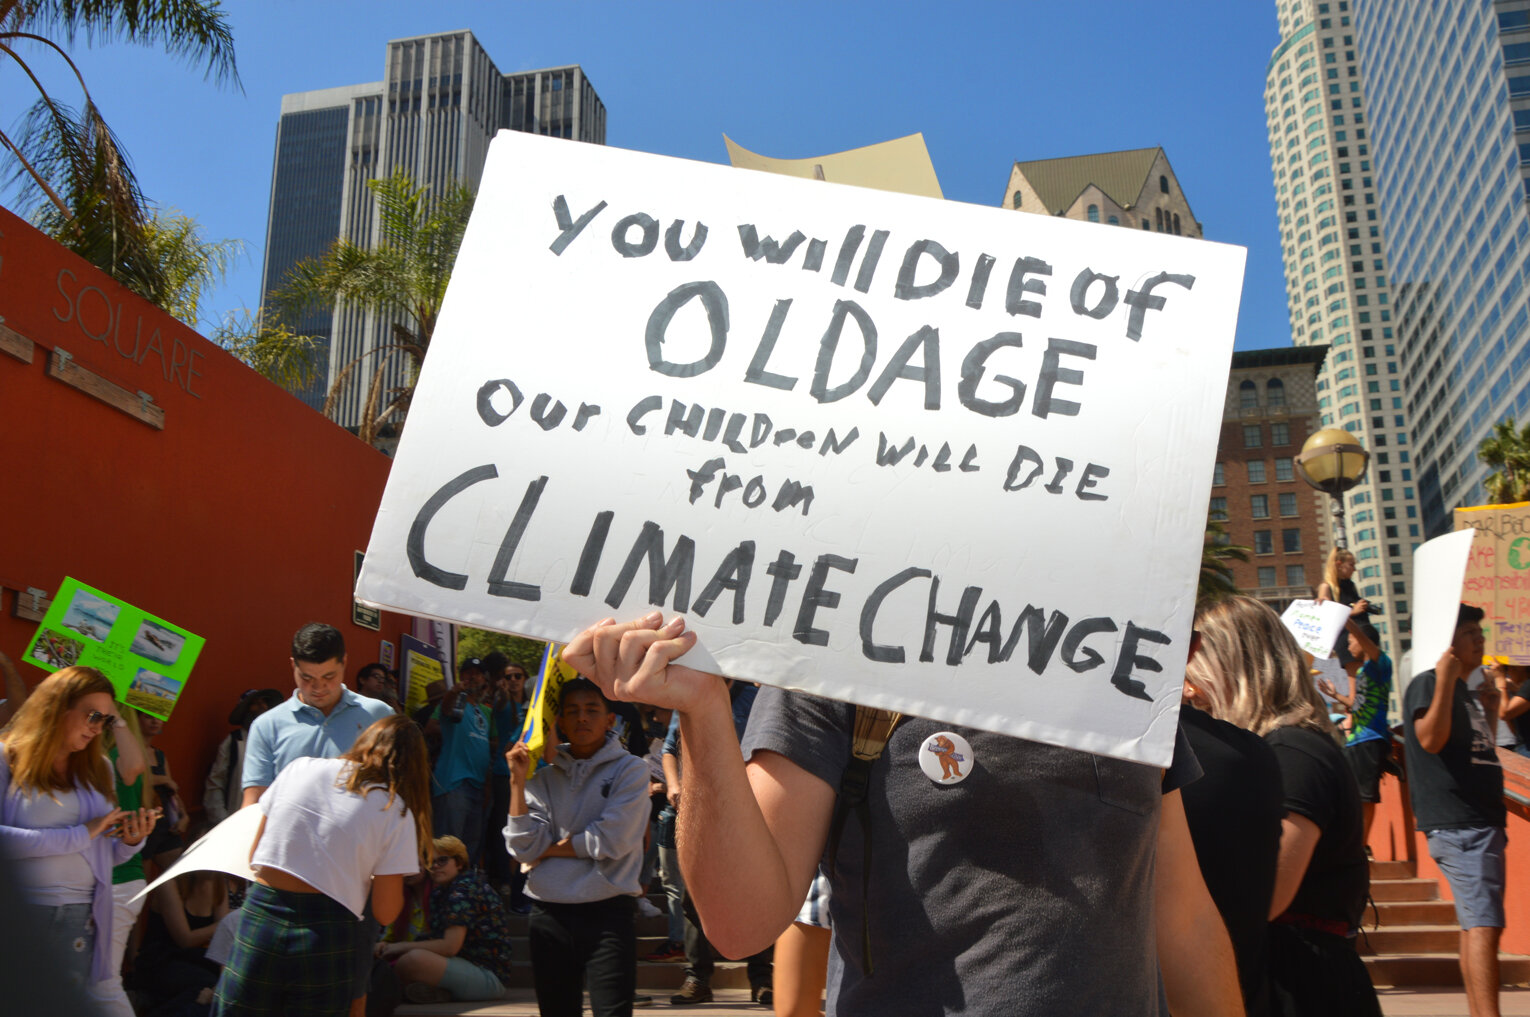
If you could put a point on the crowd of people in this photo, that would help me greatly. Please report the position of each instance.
(896, 863)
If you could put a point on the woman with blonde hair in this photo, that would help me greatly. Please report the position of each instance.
(1249, 671)
(61, 832)
(1339, 585)
(334, 831)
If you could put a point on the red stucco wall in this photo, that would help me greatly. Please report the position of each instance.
(237, 521)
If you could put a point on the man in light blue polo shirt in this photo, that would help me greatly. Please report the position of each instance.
(321, 719)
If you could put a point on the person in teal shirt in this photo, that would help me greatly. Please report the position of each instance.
(1370, 737)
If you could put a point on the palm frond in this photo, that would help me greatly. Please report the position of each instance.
(194, 30)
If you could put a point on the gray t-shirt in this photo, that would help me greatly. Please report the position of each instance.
(1024, 889)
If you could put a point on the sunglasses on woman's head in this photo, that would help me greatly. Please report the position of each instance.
(104, 720)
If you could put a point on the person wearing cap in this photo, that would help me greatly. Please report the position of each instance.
(463, 767)
(222, 793)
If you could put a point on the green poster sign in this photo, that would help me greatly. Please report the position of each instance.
(148, 659)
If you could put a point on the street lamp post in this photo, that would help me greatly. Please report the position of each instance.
(1333, 461)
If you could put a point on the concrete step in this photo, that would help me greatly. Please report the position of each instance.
(1410, 939)
(656, 979)
(1420, 969)
(1404, 889)
(1393, 870)
(1410, 912)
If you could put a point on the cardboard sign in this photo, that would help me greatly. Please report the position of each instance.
(422, 666)
(1315, 625)
(146, 658)
(911, 453)
(1439, 569)
(1498, 576)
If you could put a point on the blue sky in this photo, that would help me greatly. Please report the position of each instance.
(987, 84)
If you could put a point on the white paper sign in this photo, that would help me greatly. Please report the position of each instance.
(911, 453)
(224, 848)
(1316, 625)
(1439, 570)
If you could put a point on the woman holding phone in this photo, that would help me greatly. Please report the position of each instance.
(61, 832)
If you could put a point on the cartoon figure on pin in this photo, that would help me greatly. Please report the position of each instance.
(946, 757)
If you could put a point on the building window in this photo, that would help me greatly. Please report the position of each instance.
(1176, 224)
(1017, 199)
(1267, 575)
(1256, 471)
(1219, 509)
(1163, 184)
(1275, 392)
(1094, 213)
(1284, 470)
(1264, 542)
(1252, 438)
(1296, 575)
(1248, 395)
(1280, 434)
(1112, 220)
(1291, 541)
(1218, 475)
(1288, 503)
(1259, 506)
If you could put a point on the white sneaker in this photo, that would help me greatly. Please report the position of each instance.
(646, 909)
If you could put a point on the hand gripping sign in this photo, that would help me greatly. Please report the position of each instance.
(943, 459)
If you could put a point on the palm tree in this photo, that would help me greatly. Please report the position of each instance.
(65, 161)
(1216, 579)
(402, 280)
(1507, 450)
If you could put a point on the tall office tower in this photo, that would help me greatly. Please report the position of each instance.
(432, 116)
(1333, 243)
(1449, 84)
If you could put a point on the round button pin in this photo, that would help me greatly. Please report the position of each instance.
(946, 757)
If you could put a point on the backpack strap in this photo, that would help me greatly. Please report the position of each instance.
(872, 731)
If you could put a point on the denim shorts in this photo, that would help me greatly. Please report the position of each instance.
(467, 981)
(1473, 862)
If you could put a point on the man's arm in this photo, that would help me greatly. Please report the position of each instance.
(749, 839)
(671, 763)
(1431, 725)
(259, 762)
(1200, 976)
(1368, 649)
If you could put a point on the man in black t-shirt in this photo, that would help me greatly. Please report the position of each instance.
(1456, 783)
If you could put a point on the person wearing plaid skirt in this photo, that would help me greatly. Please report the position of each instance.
(334, 832)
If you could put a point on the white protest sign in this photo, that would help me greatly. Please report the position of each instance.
(224, 848)
(938, 458)
(1439, 570)
(1316, 625)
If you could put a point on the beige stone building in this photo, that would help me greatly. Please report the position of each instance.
(1135, 188)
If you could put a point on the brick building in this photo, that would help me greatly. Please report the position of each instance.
(1256, 492)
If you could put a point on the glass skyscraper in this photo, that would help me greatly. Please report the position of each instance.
(1332, 239)
(432, 116)
(1449, 89)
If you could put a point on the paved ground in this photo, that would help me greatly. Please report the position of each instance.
(732, 1002)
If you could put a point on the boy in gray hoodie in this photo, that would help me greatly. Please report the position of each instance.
(579, 823)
